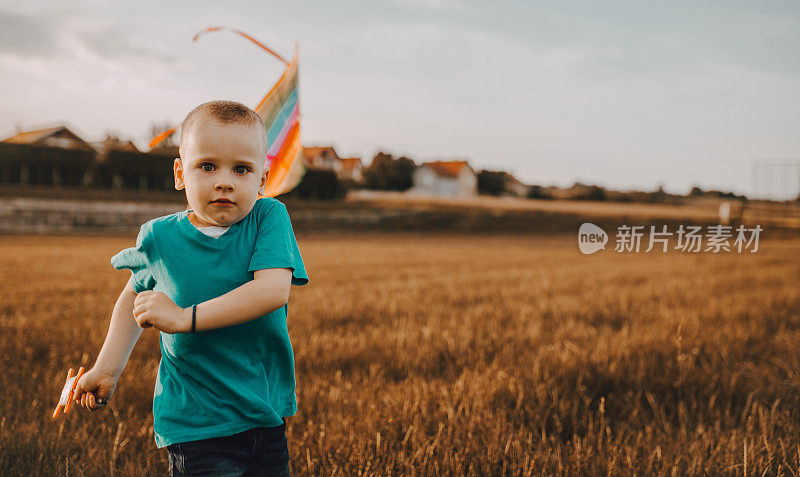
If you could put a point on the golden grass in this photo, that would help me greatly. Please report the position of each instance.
(432, 354)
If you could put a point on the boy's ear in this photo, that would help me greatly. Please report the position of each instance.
(177, 168)
(262, 189)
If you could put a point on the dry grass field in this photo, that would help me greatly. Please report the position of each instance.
(433, 354)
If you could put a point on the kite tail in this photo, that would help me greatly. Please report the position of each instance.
(239, 32)
(157, 140)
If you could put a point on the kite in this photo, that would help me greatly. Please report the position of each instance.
(279, 110)
(67, 393)
(65, 401)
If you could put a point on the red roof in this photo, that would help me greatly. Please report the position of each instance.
(311, 152)
(41, 136)
(446, 168)
(30, 137)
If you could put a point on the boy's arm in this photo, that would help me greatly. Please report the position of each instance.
(265, 293)
(123, 333)
(98, 384)
(268, 291)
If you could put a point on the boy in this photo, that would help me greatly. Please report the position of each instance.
(215, 281)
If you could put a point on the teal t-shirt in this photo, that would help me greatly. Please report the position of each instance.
(219, 382)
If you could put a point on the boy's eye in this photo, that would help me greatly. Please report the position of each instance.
(241, 169)
(207, 164)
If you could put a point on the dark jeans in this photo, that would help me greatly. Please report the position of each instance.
(261, 451)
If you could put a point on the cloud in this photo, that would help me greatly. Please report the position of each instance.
(71, 35)
(109, 43)
(27, 35)
(433, 5)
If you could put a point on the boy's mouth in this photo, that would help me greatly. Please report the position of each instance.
(223, 201)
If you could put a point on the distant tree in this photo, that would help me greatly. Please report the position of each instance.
(538, 192)
(696, 192)
(377, 173)
(387, 173)
(722, 194)
(591, 192)
(318, 184)
(658, 196)
(596, 193)
(111, 135)
(402, 177)
(491, 182)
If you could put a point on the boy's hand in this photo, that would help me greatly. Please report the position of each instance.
(94, 384)
(152, 308)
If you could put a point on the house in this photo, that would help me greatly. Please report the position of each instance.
(111, 143)
(165, 149)
(53, 156)
(58, 136)
(445, 179)
(323, 158)
(352, 169)
(58, 157)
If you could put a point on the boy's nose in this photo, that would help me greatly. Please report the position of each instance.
(224, 183)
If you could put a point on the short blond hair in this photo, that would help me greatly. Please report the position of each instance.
(226, 112)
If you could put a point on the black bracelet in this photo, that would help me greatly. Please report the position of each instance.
(194, 317)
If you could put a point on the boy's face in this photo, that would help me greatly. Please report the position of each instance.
(221, 162)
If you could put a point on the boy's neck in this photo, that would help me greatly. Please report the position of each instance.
(193, 221)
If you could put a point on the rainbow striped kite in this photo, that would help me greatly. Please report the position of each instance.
(280, 111)
(281, 114)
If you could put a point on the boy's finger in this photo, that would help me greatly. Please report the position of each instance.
(141, 296)
(142, 320)
(97, 403)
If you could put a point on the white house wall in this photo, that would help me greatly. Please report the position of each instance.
(467, 183)
(427, 182)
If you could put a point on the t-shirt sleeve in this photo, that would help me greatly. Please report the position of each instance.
(138, 260)
(276, 246)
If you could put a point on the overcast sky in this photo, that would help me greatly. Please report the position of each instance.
(622, 94)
